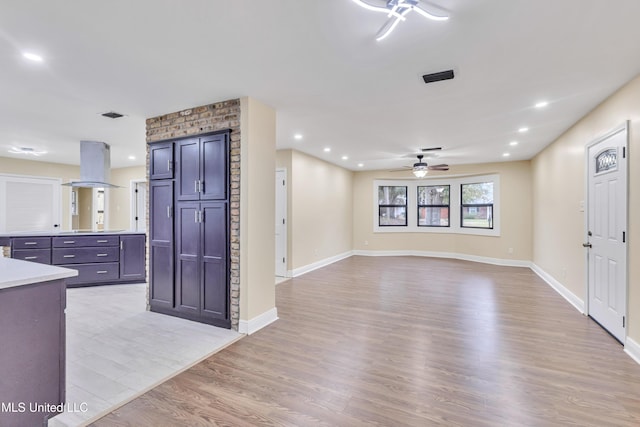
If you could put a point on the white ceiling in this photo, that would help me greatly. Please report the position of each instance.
(318, 64)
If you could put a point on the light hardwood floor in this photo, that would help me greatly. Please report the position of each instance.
(407, 341)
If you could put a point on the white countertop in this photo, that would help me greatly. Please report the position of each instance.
(14, 272)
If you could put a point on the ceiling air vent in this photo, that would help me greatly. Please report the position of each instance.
(436, 77)
(112, 115)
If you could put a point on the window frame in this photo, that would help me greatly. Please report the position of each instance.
(476, 205)
(454, 181)
(387, 206)
(448, 206)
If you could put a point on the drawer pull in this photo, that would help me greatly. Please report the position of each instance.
(69, 242)
(30, 257)
(30, 243)
(102, 241)
(68, 256)
(102, 255)
(101, 272)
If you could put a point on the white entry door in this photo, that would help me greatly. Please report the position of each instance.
(281, 219)
(29, 203)
(607, 232)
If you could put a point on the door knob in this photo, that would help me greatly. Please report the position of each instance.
(586, 245)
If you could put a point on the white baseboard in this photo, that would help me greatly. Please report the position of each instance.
(573, 299)
(248, 327)
(450, 255)
(632, 348)
(318, 264)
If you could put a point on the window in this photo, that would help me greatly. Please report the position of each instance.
(433, 206)
(476, 209)
(392, 206)
(437, 205)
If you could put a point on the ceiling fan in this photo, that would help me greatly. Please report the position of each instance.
(420, 168)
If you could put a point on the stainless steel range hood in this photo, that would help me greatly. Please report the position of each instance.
(95, 166)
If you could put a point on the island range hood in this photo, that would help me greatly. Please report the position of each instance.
(95, 166)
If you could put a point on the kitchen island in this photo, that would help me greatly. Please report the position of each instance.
(100, 257)
(32, 339)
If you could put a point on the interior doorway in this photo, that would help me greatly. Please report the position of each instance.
(606, 241)
(139, 189)
(281, 222)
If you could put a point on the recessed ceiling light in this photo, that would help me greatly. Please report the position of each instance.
(26, 151)
(297, 136)
(345, 157)
(523, 129)
(513, 143)
(542, 104)
(360, 165)
(32, 57)
(505, 154)
(327, 149)
(132, 157)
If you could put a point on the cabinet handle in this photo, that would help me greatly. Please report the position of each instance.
(169, 165)
(195, 184)
(101, 272)
(102, 241)
(69, 242)
(201, 216)
(121, 245)
(30, 243)
(30, 257)
(201, 186)
(68, 256)
(195, 214)
(168, 211)
(103, 254)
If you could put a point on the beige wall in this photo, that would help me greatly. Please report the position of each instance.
(257, 208)
(320, 209)
(85, 206)
(515, 211)
(120, 198)
(559, 186)
(50, 170)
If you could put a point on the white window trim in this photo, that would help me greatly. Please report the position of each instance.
(454, 206)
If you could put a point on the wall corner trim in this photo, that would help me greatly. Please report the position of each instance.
(632, 348)
(251, 326)
(318, 264)
(573, 299)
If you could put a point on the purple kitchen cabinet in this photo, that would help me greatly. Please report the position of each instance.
(132, 257)
(161, 245)
(161, 161)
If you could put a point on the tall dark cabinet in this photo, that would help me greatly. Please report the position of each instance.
(189, 228)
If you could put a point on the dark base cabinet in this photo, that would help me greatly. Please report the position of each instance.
(189, 229)
(32, 353)
(99, 258)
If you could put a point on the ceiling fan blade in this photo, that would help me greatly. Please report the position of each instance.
(442, 167)
(424, 150)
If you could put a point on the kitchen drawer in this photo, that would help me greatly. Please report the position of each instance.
(31, 242)
(73, 241)
(90, 273)
(85, 255)
(43, 256)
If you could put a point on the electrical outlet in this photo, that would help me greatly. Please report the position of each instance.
(510, 250)
(366, 243)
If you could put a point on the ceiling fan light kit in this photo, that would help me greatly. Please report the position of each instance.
(396, 11)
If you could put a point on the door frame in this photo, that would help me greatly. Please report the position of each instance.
(286, 219)
(132, 203)
(621, 128)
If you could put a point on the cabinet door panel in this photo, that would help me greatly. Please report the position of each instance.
(161, 160)
(214, 167)
(187, 253)
(132, 257)
(188, 169)
(215, 289)
(161, 244)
